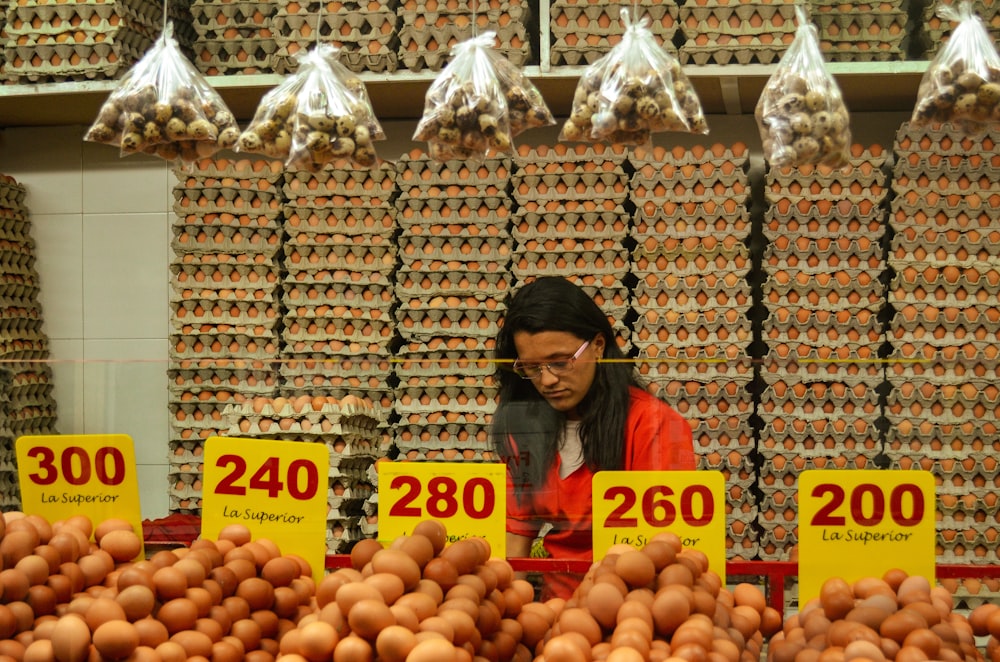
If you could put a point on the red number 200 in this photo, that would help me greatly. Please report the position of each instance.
(867, 504)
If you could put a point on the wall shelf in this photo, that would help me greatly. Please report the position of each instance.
(723, 89)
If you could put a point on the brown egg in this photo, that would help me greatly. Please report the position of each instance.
(71, 639)
(193, 642)
(170, 583)
(178, 614)
(390, 585)
(102, 610)
(636, 568)
(152, 632)
(399, 563)
(670, 608)
(40, 650)
(317, 640)
(362, 552)
(123, 545)
(238, 534)
(368, 617)
(432, 650)
(353, 649)
(137, 601)
(280, 571)
(171, 651)
(116, 640)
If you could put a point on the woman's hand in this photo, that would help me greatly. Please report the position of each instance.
(519, 547)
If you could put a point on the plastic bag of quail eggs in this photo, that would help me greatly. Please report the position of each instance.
(636, 89)
(478, 104)
(319, 115)
(165, 108)
(801, 113)
(962, 83)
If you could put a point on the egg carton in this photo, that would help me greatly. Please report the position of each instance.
(941, 408)
(588, 225)
(826, 268)
(691, 307)
(562, 166)
(684, 263)
(918, 330)
(252, 318)
(341, 535)
(188, 452)
(946, 212)
(186, 259)
(930, 265)
(779, 507)
(374, 388)
(697, 189)
(912, 236)
(726, 422)
(573, 186)
(955, 342)
(483, 216)
(417, 50)
(740, 473)
(526, 264)
(824, 337)
(963, 423)
(843, 288)
(209, 279)
(377, 366)
(697, 364)
(566, 50)
(723, 51)
(242, 55)
(201, 194)
(339, 283)
(423, 325)
(225, 239)
(590, 18)
(229, 345)
(864, 442)
(942, 192)
(915, 163)
(680, 161)
(817, 394)
(850, 369)
(868, 169)
(454, 249)
(902, 369)
(372, 187)
(469, 194)
(803, 320)
(353, 31)
(320, 207)
(366, 331)
(417, 168)
(945, 139)
(538, 156)
(320, 288)
(321, 255)
(661, 291)
(803, 412)
(349, 221)
(414, 362)
(446, 207)
(442, 437)
(737, 335)
(316, 238)
(484, 285)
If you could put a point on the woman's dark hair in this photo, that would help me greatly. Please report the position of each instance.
(523, 417)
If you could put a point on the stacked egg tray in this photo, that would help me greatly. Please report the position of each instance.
(24, 347)
(736, 32)
(824, 291)
(365, 32)
(455, 255)
(10, 488)
(584, 30)
(86, 40)
(352, 433)
(430, 29)
(935, 31)
(224, 301)
(234, 37)
(861, 30)
(692, 302)
(571, 222)
(943, 406)
(340, 257)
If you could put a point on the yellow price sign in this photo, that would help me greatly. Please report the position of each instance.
(469, 499)
(861, 523)
(633, 506)
(277, 489)
(79, 474)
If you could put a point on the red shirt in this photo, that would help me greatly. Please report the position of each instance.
(657, 438)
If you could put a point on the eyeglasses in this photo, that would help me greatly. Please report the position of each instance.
(533, 371)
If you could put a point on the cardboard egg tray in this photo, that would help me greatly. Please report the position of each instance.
(489, 211)
(932, 398)
(975, 204)
(427, 48)
(364, 332)
(368, 40)
(944, 139)
(934, 32)
(684, 262)
(342, 534)
(416, 169)
(423, 325)
(234, 54)
(371, 187)
(587, 157)
(735, 50)
(716, 433)
(423, 190)
(796, 288)
(445, 355)
(960, 328)
(210, 282)
(904, 366)
(607, 223)
(340, 221)
(256, 319)
(312, 294)
(526, 264)
(81, 40)
(227, 239)
(823, 336)
(214, 344)
(730, 294)
(555, 167)
(657, 364)
(447, 405)
(682, 336)
(699, 188)
(443, 442)
(363, 253)
(453, 249)
(583, 32)
(573, 186)
(943, 169)
(410, 283)
(258, 207)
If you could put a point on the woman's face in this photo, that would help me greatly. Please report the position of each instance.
(565, 390)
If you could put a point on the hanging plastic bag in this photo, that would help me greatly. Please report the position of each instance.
(801, 113)
(164, 107)
(319, 115)
(633, 91)
(478, 104)
(962, 83)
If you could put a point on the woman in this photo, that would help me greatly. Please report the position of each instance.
(569, 406)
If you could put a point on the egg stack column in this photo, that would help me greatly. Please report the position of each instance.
(26, 402)
(824, 265)
(455, 258)
(583, 31)
(340, 258)
(944, 404)
(693, 300)
(233, 37)
(743, 32)
(365, 32)
(224, 306)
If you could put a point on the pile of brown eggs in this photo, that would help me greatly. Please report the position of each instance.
(895, 617)
(76, 593)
